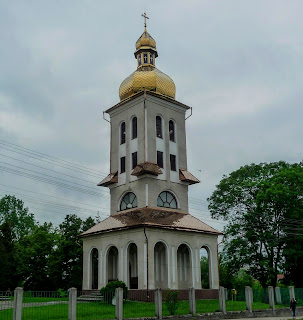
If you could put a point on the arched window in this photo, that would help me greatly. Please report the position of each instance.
(171, 128)
(128, 201)
(94, 268)
(122, 133)
(134, 128)
(159, 127)
(167, 200)
(151, 58)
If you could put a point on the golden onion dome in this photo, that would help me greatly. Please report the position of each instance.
(146, 40)
(152, 80)
(147, 76)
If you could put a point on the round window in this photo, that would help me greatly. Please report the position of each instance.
(167, 200)
(129, 201)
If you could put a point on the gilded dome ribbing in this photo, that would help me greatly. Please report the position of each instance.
(147, 76)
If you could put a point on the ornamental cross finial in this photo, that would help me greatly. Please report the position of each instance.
(145, 17)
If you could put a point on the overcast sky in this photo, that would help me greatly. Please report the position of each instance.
(237, 63)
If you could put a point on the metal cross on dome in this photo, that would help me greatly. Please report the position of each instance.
(145, 17)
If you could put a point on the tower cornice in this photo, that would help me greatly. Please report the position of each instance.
(151, 93)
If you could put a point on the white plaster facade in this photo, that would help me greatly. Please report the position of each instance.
(148, 243)
(172, 240)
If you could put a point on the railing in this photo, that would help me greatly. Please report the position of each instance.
(59, 305)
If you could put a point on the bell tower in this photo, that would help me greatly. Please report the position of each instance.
(149, 240)
(148, 161)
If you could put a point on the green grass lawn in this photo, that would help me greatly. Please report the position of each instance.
(132, 309)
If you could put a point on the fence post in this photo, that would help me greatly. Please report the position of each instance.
(72, 304)
(119, 303)
(192, 301)
(18, 299)
(271, 298)
(226, 294)
(222, 300)
(158, 303)
(278, 295)
(291, 292)
(248, 298)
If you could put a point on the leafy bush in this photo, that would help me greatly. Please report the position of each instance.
(109, 290)
(62, 293)
(172, 301)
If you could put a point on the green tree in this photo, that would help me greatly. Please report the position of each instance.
(33, 254)
(8, 277)
(13, 211)
(258, 201)
(66, 258)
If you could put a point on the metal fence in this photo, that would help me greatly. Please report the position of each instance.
(59, 305)
(95, 306)
(6, 305)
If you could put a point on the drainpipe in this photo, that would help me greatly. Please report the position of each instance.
(146, 261)
(191, 113)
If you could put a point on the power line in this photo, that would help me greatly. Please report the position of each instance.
(57, 161)
(47, 195)
(54, 159)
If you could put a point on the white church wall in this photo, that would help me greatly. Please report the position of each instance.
(171, 238)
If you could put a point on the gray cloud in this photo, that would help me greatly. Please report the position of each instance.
(237, 63)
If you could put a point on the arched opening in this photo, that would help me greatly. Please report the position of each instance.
(171, 128)
(94, 268)
(159, 131)
(160, 266)
(122, 133)
(134, 128)
(205, 268)
(167, 200)
(128, 201)
(184, 265)
(133, 266)
(112, 264)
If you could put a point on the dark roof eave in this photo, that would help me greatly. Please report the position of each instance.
(147, 92)
(149, 226)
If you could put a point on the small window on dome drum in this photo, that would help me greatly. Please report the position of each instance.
(171, 127)
(122, 133)
(159, 127)
(144, 57)
(134, 128)
(151, 58)
(139, 60)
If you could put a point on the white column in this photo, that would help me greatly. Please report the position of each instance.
(192, 267)
(121, 253)
(127, 257)
(174, 266)
(87, 260)
(100, 270)
(105, 268)
(169, 267)
(198, 269)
